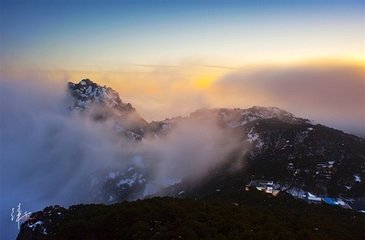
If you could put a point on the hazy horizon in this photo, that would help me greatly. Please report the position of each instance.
(169, 58)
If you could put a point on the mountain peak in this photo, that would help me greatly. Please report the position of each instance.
(270, 112)
(101, 103)
(237, 117)
(87, 92)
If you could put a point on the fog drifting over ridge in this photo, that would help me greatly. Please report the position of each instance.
(47, 152)
(49, 155)
(330, 93)
(333, 95)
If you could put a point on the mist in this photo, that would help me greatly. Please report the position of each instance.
(192, 148)
(51, 155)
(331, 95)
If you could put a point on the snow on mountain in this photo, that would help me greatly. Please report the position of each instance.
(103, 103)
(87, 93)
(237, 117)
(304, 158)
(301, 152)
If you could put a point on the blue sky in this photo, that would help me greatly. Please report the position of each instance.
(69, 34)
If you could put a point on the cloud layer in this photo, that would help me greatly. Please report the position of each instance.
(50, 155)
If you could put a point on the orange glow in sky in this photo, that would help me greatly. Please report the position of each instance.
(170, 59)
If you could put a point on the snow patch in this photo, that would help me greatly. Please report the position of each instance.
(252, 137)
(357, 178)
(128, 181)
(34, 225)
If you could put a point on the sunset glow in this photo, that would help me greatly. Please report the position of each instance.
(169, 58)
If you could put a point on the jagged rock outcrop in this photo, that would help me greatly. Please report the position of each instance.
(102, 103)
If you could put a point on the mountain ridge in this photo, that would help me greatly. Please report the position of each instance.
(288, 155)
(289, 144)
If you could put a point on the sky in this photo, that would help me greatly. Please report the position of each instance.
(171, 57)
(167, 58)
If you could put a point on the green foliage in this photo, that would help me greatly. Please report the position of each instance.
(234, 215)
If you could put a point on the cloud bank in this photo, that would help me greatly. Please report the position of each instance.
(50, 155)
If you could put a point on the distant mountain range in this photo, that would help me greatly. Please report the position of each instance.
(295, 154)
